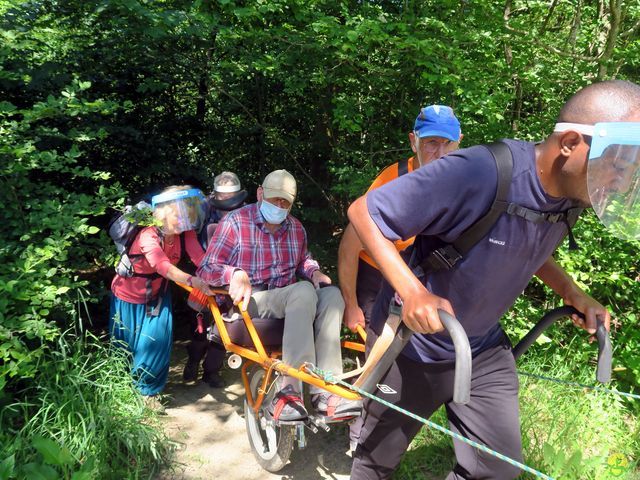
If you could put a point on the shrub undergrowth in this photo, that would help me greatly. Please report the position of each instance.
(81, 417)
(568, 433)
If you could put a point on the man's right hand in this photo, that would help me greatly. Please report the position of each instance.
(353, 316)
(420, 311)
(240, 288)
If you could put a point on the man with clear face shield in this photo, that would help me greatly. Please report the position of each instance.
(590, 158)
(613, 176)
(260, 251)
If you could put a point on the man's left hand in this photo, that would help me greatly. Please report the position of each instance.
(591, 309)
(318, 277)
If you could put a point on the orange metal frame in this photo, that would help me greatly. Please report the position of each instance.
(270, 362)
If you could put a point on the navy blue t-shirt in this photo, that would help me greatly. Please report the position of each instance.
(440, 201)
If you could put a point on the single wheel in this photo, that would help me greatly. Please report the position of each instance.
(271, 444)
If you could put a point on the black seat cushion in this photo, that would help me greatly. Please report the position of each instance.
(269, 330)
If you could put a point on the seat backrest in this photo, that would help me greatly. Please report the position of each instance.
(270, 331)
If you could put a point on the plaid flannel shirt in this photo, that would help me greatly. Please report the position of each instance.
(241, 241)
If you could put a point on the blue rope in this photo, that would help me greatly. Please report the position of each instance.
(329, 378)
(580, 385)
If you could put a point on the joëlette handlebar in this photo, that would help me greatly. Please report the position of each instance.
(462, 379)
(603, 372)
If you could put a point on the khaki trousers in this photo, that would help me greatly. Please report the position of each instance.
(312, 323)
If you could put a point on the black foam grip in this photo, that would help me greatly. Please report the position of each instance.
(603, 373)
(462, 380)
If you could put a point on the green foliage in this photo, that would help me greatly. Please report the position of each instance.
(48, 237)
(567, 433)
(103, 97)
(574, 433)
(81, 417)
(608, 269)
(142, 216)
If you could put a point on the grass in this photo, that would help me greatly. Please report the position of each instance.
(576, 433)
(567, 433)
(81, 417)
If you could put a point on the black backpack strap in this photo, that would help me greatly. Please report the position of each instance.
(403, 167)
(568, 217)
(504, 164)
(447, 256)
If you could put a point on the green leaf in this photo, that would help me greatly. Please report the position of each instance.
(81, 476)
(6, 107)
(543, 339)
(6, 467)
(38, 471)
(352, 35)
(52, 453)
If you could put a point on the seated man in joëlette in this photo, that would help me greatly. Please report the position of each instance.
(259, 251)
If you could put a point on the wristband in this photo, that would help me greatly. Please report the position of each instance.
(190, 281)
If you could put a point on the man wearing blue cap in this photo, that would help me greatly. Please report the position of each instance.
(436, 132)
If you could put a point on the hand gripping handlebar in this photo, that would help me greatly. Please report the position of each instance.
(603, 372)
(395, 337)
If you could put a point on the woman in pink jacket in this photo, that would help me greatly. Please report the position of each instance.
(141, 317)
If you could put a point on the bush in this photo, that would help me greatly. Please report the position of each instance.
(81, 417)
(567, 433)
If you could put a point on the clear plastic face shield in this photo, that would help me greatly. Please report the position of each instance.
(180, 210)
(428, 149)
(613, 174)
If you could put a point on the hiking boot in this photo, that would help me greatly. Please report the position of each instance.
(214, 380)
(190, 372)
(335, 407)
(287, 406)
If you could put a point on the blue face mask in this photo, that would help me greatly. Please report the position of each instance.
(272, 213)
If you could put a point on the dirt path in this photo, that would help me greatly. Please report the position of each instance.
(208, 426)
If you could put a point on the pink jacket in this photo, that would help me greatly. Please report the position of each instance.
(157, 257)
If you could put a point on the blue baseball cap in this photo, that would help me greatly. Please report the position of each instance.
(437, 121)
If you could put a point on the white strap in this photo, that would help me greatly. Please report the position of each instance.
(227, 188)
(576, 127)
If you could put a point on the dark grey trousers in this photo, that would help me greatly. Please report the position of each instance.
(491, 417)
(213, 354)
(368, 285)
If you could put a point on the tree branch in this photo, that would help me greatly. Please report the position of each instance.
(285, 147)
(631, 31)
(552, 49)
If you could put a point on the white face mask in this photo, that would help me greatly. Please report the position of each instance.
(272, 213)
